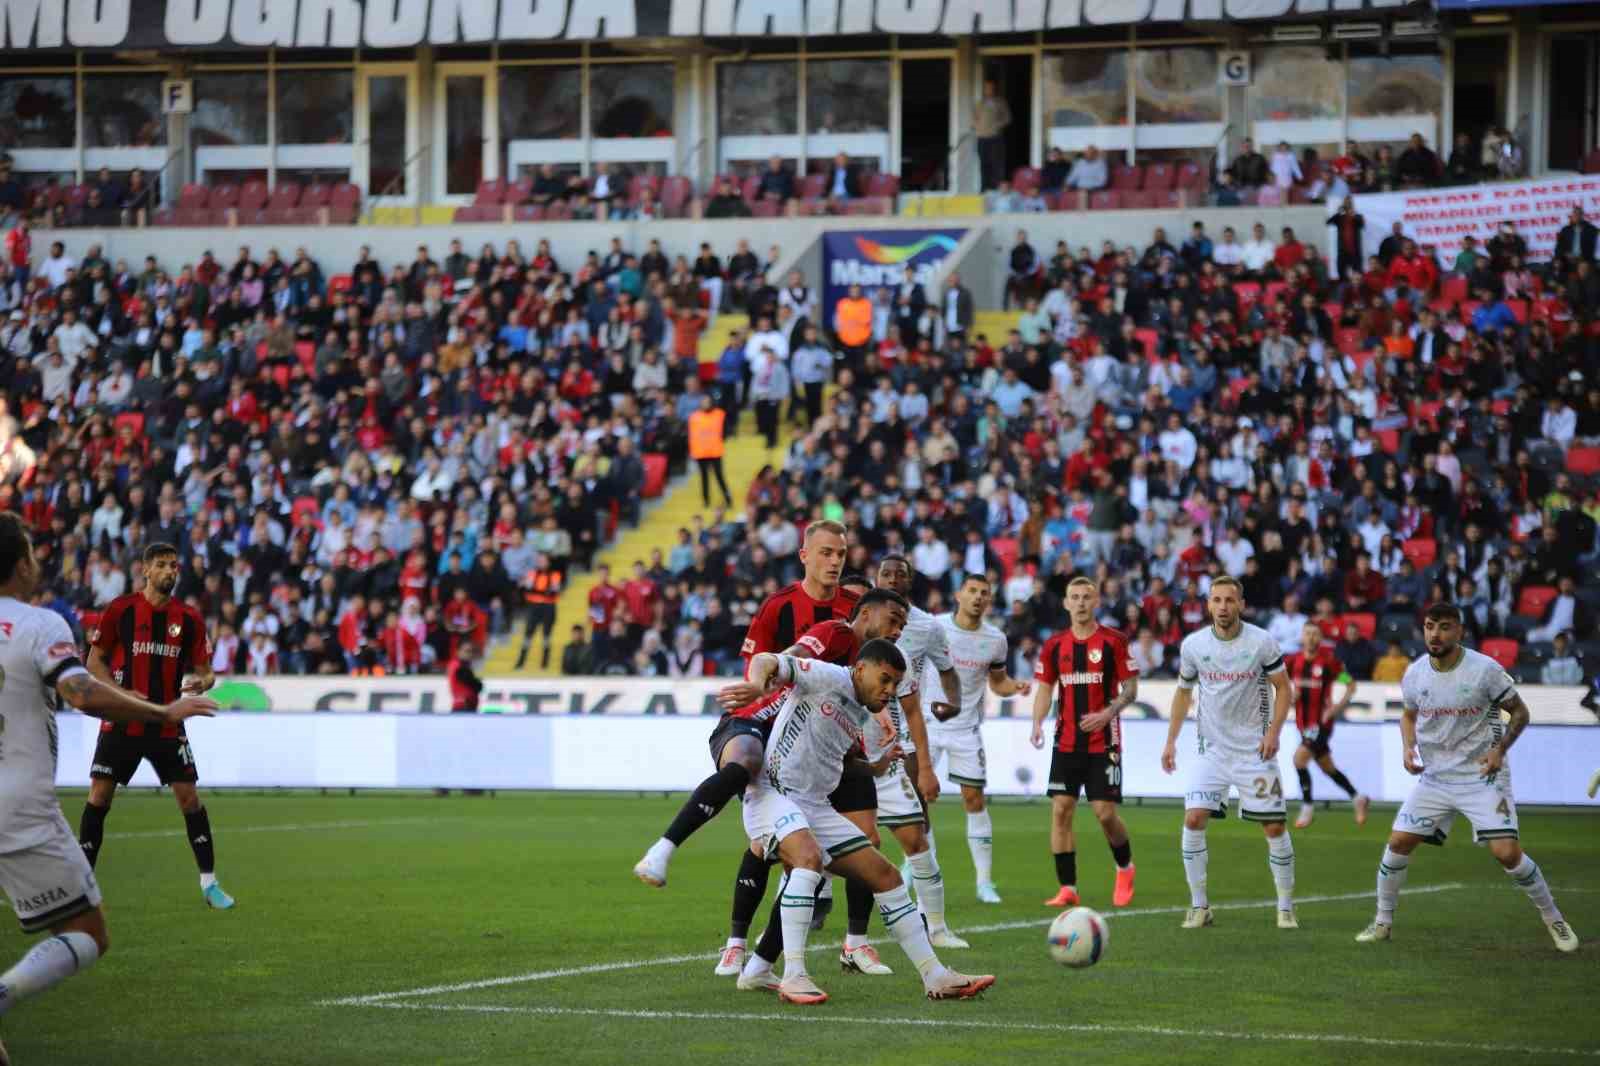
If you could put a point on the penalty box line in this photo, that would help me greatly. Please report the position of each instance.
(381, 998)
(828, 1018)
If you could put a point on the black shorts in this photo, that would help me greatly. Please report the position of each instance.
(729, 727)
(1317, 739)
(857, 791)
(117, 756)
(541, 616)
(1098, 776)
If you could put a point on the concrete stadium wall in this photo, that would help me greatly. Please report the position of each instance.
(334, 247)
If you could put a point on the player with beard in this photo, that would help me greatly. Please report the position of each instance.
(155, 646)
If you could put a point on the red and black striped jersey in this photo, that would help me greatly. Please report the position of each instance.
(1088, 673)
(787, 614)
(1314, 677)
(149, 650)
(833, 641)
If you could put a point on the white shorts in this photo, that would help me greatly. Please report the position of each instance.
(1431, 809)
(1259, 783)
(49, 882)
(963, 752)
(898, 803)
(771, 816)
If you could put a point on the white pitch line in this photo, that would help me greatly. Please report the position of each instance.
(828, 1018)
(379, 998)
(305, 827)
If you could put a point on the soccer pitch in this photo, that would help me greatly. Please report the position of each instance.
(409, 929)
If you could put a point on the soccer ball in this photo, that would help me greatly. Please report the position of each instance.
(1078, 937)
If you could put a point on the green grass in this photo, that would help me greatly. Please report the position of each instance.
(397, 892)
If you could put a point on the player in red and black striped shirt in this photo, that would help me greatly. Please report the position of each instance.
(151, 644)
(1315, 669)
(1089, 665)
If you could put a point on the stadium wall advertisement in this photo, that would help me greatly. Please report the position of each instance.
(1550, 764)
(174, 25)
(1441, 217)
(877, 259)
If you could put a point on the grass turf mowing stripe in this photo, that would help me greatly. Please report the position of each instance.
(380, 998)
(304, 827)
(825, 1018)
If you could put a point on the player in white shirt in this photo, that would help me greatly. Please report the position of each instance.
(42, 870)
(979, 653)
(1456, 741)
(909, 783)
(787, 813)
(1244, 697)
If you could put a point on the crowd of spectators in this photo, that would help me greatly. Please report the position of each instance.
(361, 470)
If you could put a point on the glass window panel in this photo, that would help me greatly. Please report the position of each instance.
(230, 109)
(540, 103)
(463, 105)
(564, 170)
(1086, 88)
(1295, 83)
(312, 175)
(630, 100)
(316, 106)
(1396, 85)
(237, 177)
(1177, 85)
(386, 124)
(123, 111)
(38, 111)
(847, 96)
(758, 99)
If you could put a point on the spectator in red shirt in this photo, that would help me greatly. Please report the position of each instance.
(1364, 587)
(1413, 269)
(640, 598)
(1290, 253)
(603, 600)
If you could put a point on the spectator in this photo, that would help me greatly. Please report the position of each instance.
(1249, 168)
(1418, 165)
(777, 182)
(1285, 167)
(842, 184)
(1392, 666)
(1053, 175)
(1355, 652)
(1089, 171)
(726, 202)
(991, 117)
(1576, 241)
(1563, 667)
(1024, 270)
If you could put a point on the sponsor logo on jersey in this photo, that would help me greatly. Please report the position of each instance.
(43, 899)
(1228, 677)
(1083, 677)
(5, 630)
(1450, 712)
(64, 649)
(149, 647)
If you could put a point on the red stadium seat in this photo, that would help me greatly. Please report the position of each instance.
(252, 202)
(344, 204)
(527, 213)
(1026, 179)
(1453, 290)
(1248, 293)
(1151, 341)
(1535, 600)
(1422, 551)
(814, 187)
(1160, 176)
(1006, 549)
(1127, 177)
(306, 505)
(1389, 440)
(883, 186)
(655, 475)
(1269, 196)
(1501, 650)
(131, 419)
(676, 192)
(1365, 622)
(1349, 340)
(1521, 309)
(341, 283)
(1192, 176)
(1105, 200)
(194, 196)
(748, 187)
(1584, 461)
(490, 191)
(766, 209)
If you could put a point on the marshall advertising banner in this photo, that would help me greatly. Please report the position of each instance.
(1441, 217)
(877, 259)
(174, 25)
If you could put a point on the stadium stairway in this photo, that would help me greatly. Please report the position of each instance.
(995, 325)
(658, 527)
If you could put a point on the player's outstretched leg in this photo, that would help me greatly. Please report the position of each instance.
(799, 891)
(72, 947)
(905, 925)
(1392, 869)
(1064, 849)
(197, 826)
(703, 804)
(1336, 775)
(856, 955)
(980, 842)
(1195, 860)
(1280, 857)
(1521, 868)
(1302, 770)
(92, 824)
(1116, 832)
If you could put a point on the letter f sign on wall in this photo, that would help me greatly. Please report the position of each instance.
(177, 96)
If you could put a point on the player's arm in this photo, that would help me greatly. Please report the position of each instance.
(748, 691)
(1043, 696)
(761, 673)
(1283, 699)
(1336, 709)
(1188, 674)
(1513, 705)
(1408, 739)
(950, 706)
(917, 769)
(1126, 694)
(201, 675)
(760, 636)
(1004, 685)
(101, 699)
(98, 666)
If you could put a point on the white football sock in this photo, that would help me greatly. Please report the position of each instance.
(854, 940)
(1391, 878)
(980, 841)
(51, 961)
(901, 919)
(930, 887)
(207, 880)
(796, 899)
(661, 849)
(1194, 865)
(933, 849)
(734, 942)
(1280, 856)
(1531, 880)
(755, 966)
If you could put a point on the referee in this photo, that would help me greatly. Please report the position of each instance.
(148, 643)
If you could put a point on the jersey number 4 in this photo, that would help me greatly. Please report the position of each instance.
(1264, 790)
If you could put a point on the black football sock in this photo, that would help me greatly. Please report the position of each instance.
(1122, 853)
(1338, 778)
(92, 831)
(1305, 784)
(1066, 868)
(771, 945)
(198, 824)
(748, 891)
(859, 904)
(707, 801)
